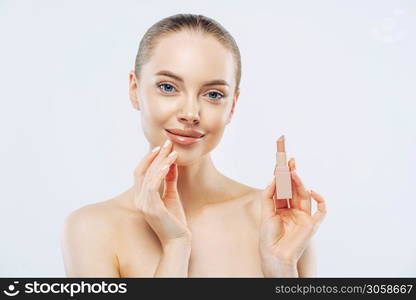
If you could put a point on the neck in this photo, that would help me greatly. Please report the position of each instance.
(199, 184)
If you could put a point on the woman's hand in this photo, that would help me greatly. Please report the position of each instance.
(165, 215)
(286, 230)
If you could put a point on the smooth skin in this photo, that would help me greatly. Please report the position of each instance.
(164, 214)
(182, 217)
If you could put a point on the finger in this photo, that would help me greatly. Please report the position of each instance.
(321, 207)
(154, 176)
(267, 201)
(292, 167)
(171, 195)
(299, 186)
(139, 174)
(170, 181)
(301, 198)
(291, 164)
(294, 201)
(144, 164)
(305, 204)
(161, 169)
(148, 199)
(156, 165)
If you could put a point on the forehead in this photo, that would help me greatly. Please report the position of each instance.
(194, 56)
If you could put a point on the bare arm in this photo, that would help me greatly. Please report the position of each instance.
(87, 246)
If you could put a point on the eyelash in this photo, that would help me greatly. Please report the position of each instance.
(212, 99)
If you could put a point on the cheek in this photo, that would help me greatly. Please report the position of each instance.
(215, 123)
(155, 114)
(215, 118)
(156, 109)
(159, 111)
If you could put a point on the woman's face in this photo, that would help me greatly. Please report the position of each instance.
(189, 99)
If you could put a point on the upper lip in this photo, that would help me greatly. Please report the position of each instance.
(185, 132)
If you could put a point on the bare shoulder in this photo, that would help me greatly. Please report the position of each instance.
(92, 218)
(247, 196)
(88, 241)
(241, 189)
(99, 218)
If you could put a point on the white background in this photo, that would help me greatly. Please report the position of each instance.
(336, 77)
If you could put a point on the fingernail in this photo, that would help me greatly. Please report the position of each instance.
(156, 149)
(164, 167)
(167, 143)
(172, 154)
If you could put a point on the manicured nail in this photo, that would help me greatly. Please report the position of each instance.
(172, 154)
(167, 143)
(156, 149)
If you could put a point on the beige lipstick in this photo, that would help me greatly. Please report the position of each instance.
(281, 172)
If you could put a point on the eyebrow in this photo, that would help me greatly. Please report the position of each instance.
(207, 83)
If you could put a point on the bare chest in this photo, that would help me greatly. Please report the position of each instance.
(222, 246)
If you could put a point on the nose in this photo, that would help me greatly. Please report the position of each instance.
(189, 114)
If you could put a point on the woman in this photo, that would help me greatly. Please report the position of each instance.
(182, 217)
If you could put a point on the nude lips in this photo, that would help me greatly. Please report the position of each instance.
(184, 140)
(282, 173)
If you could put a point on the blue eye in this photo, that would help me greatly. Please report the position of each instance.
(214, 94)
(166, 85)
(169, 88)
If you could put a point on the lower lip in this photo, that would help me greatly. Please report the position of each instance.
(184, 140)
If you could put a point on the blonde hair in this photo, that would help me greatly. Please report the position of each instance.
(179, 22)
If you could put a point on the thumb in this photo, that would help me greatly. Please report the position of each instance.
(267, 201)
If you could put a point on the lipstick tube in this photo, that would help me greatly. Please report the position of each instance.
(281, 172)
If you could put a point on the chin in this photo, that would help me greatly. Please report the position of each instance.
(185, 159)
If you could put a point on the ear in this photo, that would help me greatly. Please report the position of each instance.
(133, 90)
(235, 99)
